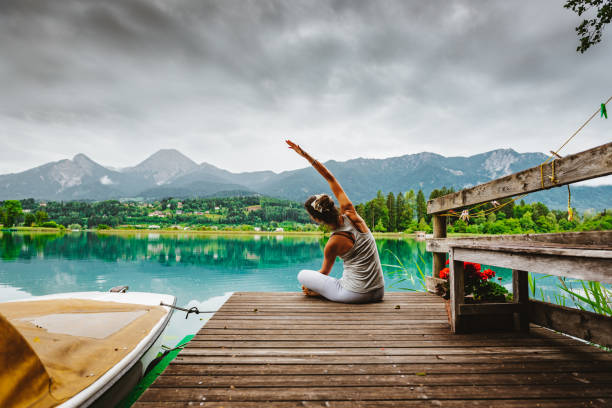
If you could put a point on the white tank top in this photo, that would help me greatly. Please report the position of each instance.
(362, 268)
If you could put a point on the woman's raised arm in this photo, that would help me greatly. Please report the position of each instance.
(336, 188)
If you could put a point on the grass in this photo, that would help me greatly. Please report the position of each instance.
(403, 270)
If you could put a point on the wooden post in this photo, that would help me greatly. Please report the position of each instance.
(439, 231)
(520, 295)
(457, 291)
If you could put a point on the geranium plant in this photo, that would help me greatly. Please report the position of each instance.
(478, 284)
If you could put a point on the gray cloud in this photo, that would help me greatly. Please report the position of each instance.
(226, 81)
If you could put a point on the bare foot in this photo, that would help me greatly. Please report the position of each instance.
(309, 292)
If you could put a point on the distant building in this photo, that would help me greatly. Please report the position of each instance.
(43, 204)
(179, 212)
(179, 205)
(157, 214)
(206, 212)
(279, 230)
(154, 227)
(217, 208)
(257, 229)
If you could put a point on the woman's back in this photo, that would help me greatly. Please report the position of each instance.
(362, 268)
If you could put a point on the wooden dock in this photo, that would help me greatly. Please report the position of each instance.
(287, 350)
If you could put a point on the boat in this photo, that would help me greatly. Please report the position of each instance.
(82, 349)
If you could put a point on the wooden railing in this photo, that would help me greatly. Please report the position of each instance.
(582, 255)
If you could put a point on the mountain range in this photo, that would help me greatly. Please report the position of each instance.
(169, 173)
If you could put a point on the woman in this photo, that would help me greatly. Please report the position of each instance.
(362, 280)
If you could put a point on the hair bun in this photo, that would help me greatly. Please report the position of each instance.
(326, 203)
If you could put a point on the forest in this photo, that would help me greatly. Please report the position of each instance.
(408, 212)
(401, 212)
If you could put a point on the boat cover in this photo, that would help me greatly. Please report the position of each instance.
(73, 351)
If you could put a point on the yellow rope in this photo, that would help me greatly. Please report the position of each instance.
(552, 177)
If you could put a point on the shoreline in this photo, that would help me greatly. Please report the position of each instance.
(397, 235)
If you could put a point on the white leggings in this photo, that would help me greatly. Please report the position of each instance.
(331, 289)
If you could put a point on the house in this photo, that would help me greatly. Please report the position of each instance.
(179, 205)
(179, 212)
(257, 229)
(154, 227)
(279, 230)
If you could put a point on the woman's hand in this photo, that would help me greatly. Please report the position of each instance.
(296, 147)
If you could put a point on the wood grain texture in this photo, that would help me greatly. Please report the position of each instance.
(579, 323)
(296, 351)
(593, 163)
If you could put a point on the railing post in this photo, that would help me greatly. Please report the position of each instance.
(457, 291)
(439, 231)
(520, 295)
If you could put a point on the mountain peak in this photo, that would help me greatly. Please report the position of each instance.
(164, 165)
(80, 158)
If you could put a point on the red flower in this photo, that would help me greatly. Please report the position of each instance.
(447, 261)
(487, 274)
(444, 273)
(472, 269)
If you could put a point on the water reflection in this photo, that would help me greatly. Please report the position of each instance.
(197, 269)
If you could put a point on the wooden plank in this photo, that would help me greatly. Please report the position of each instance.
(386, 351)
(589, 164)
(526, 367)
(586, 325)
(368, 342)
(393, 359)
(377, 380)
(490, 308)
(345, 325)
(592, 269)
(540, 248)
(457, 289)
(520, 293)
(323, 354)
(373, 393)
(486, 403)
(372, 315)
(584, 238)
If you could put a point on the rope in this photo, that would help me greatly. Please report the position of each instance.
(190, 310)
(553, 180)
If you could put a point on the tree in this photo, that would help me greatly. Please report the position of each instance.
(12, 212)
(29, 220)
(380, 227)
(409, 209)
(421, 206)
(590, 30)
(41, 216)
(400, 204)
(392, 220)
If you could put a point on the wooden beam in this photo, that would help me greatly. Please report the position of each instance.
(439, 231)
(490, 308)
(578, 323)
(594, 238)
(592, 269)
(520, 295)
(593, 163)
(457, 292)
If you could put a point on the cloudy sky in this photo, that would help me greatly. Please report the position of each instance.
(226, 81)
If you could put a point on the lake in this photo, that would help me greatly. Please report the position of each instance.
(200, 270)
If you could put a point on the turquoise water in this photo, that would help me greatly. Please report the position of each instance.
(199, 270)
